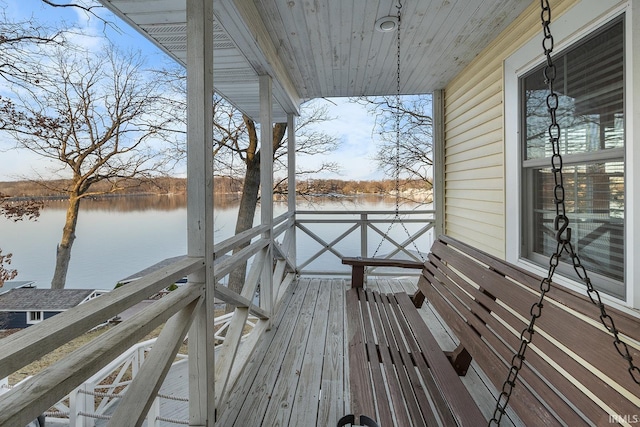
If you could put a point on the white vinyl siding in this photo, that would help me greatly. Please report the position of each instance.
(474, 138)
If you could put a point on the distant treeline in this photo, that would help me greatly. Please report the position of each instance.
(387, 186)
(222, 185)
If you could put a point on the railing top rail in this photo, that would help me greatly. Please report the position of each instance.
(239, 239)
(108, 369)
(30, 344)
(367, 212)
(277, 220)
(247, 235)
(357, 220)
(53, 383)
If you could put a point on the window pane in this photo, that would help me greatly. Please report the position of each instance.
(594, 196)
(590, 84)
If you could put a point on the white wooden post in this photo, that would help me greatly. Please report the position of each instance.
(81, 400)
(154, 413)
(364, 251)
(73, 407)
(200, 205)
(137, 360)
(266, 190)
(437, 104)
(291, 179)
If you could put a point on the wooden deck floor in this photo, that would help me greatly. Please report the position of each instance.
(300, 374)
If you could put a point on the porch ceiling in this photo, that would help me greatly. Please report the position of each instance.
(327, 48)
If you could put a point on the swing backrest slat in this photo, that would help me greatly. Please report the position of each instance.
(573, 374)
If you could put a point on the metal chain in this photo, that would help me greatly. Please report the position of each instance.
(398, 111)
(397, 148)
(563, 242)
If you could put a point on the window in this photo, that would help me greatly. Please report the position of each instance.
(34, 317)
(591, 114)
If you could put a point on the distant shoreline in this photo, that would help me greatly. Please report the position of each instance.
(97, 197)
(55, 190)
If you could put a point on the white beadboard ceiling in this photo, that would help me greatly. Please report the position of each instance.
(315, 48)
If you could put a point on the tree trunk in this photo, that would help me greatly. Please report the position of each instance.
(246, 214)
(249, 198)
(63, 252)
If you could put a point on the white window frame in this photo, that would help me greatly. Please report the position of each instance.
(30, 320)
(568, 29)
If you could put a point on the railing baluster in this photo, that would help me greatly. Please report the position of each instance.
(307, 222)
(364, 224)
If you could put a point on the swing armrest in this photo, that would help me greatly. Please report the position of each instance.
(358, 264)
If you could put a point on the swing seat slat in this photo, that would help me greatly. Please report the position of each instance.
(358, 266)
(572, 373)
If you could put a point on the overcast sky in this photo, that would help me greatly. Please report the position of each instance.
(352, 126)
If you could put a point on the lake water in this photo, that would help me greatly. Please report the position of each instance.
(118, 237)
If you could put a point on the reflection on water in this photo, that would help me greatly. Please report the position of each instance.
(164, 202)
(119, 236)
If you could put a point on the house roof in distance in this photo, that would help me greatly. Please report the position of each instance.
(23, 299)
(13, 284)
(152, 269)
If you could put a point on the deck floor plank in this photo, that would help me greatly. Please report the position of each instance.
(249, 388)
(276, 388)
(332, 391)
(307, 398)
(308, 336)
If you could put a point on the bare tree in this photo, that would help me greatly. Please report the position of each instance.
(17, 42)
(17, 211)
(100, 118)
(235, 138)
(20, 40)
(415, 156)
(246, 148)
(20, 43)
(237, 152)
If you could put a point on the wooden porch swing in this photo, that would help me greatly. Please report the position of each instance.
(571, 375)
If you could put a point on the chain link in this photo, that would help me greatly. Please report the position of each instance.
(563, 241)
(396, 170)
(398, 111)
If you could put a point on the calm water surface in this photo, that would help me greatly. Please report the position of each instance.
(118, 237)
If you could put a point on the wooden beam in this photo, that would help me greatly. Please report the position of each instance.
(231, 243)
(144, 388)
(243, 22)
(225, 266)
(36, 395)
(237, 300)
(266, 187)
(30, 344)
(437, 105)
(291, 181)
(325, 246)
(229, 349)
(200, 205)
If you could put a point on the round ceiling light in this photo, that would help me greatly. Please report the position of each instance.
(387, 24)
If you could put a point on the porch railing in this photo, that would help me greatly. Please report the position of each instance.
(276, 252)
(325, 237)
(177, 309)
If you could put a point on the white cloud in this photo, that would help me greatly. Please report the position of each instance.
(354, 126)
(22, 164)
